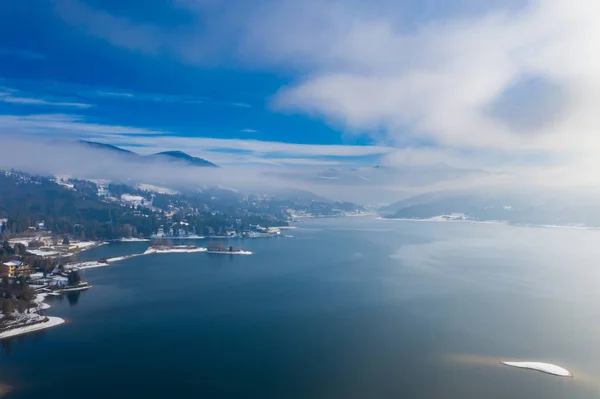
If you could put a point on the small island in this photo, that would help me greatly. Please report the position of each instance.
(159, 247)
(220, 249)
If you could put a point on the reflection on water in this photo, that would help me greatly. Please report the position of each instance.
(6, 346)
(4, 390)
(73, 297)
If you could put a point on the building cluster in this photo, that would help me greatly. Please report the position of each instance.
(15, 268)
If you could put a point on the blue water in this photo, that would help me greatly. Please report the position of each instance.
(348, 308)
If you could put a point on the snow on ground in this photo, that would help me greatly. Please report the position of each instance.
(52, 322)
(134, 200)
(39, 301)
(120, 258)
(133, 239)
(156, 189)
(82, 245)
(86, 265)
(543, 367)
(39, 252)
(150, 251)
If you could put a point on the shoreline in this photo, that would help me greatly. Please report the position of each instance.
(49, 321)
(52, 321)
(432, 220)
(495, 222)
(229, 252)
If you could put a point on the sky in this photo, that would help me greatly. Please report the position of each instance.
(375, 100)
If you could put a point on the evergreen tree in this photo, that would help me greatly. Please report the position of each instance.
(7, 307)
(74, 277)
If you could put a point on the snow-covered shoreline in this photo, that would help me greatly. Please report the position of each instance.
(542, 367)
(86, 265)
(36, 318)
(52, 322)
(151, 251)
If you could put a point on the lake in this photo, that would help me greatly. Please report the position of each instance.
(347, 308)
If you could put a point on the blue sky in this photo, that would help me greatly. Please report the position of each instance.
(505, 87)
(68, 71)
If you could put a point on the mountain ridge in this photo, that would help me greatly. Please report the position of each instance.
(169, 156)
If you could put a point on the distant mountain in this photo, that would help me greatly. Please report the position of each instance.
(166, 156)
(107, 147)
(180, 156)
(542, 208)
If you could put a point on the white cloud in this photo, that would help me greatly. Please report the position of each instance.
(241, 105)
(422, 76)
(249, 131)
(63, 124)
(438, 82)
(256, 147)
(370, 67)
(114, 94)
(39, 101)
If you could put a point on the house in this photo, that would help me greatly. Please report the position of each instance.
(23, 270)
(15, 268)
(59, 281)
(10, 268)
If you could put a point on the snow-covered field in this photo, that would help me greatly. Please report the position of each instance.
(156, 189)
(134, 200)
(543, 367)
(39, 252)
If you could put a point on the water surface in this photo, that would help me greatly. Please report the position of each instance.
(348, 308)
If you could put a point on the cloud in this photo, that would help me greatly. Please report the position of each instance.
(439, 82)
(54, 157)
(48, 156)
(114, 94)
(39, 101)
(14, 96)
(157, 97)
(256, 147)
(249, 131)
(241, 105)
(59, 125)
(420, 72)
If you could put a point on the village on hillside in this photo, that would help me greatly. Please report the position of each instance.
(33, 266)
